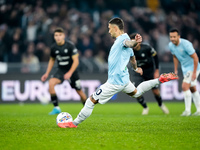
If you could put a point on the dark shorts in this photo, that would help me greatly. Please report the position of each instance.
(148, 74)
(74, 81)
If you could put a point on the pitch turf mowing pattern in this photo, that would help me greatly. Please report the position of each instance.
(113, 126)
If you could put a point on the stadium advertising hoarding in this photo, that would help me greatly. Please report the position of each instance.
(29, 88)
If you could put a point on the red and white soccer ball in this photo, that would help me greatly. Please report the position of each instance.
(64, 117)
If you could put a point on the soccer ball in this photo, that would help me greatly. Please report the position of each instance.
(64, 117)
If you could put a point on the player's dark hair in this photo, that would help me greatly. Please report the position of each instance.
(132, 36)
(117, 21)
(174, 30)
(59, 29)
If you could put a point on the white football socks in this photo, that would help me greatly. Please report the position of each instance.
(196, 99)
(146, 86)
(85, 112)
(188, 100)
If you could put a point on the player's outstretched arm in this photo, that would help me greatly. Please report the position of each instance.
(50, 66)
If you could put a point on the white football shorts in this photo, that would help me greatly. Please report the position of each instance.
(106, 91)
(188, 78)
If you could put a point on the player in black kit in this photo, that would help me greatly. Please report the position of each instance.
(66, 55)
(147, 59)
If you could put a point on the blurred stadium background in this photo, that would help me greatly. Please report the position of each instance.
(26, 34)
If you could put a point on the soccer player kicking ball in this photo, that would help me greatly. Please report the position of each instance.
(118, 77)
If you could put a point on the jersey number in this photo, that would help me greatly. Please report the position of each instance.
(98, 91)
(188, 75)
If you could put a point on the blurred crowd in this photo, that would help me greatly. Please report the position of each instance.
(27, 26)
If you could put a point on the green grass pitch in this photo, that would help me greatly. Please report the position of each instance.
(113, 126)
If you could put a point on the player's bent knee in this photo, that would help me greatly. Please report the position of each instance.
(52, 84)
(185, 86)
(132, 93)
(51, 88)
(137, 94)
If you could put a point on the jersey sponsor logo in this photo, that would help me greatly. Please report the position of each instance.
(65, 50)
(60, 58)
(65, 57)
(142, 62)
(64, 63)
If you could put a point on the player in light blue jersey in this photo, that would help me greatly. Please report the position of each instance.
(118, 76)
(183, 52)
(117, 61)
